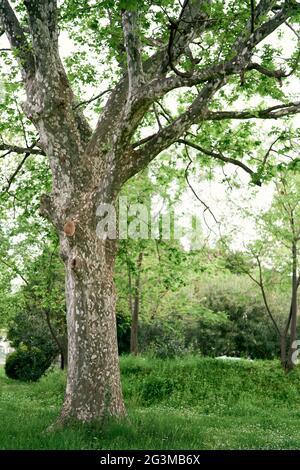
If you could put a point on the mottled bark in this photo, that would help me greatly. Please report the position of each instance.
(93, 388)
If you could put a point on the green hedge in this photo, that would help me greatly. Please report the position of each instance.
(26, 364)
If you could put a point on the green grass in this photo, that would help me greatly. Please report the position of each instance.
(190, 403)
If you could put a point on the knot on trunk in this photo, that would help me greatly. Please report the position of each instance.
(69, 228)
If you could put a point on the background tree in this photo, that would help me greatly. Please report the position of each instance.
(273, 259)
(40, 304)
(156, 192)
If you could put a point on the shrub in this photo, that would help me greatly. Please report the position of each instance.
(209, 332)
(250, 332)
(162, 338)
(26, 364)
(29, 328)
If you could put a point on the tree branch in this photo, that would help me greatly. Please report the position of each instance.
(216, 78)
(249, 37)
(91, 100)
(293, 30)
(175, 29)
(171, 133)
(262, 287)
(206, 206)
(9, 23)
(265, 71)
(17, 170)
(260, 284)
(274, 112)
(194, 21)
(132, 46)
(236, 65)
(21, 150)
(252, 5)
(218, 156)
(155, 144)
(14, 269)
(50, 93)
(28, 151)
(270, 149)
(42, 15)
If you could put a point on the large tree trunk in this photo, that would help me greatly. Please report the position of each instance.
(93, 387)
(83, 177)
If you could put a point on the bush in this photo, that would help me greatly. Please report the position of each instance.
(29, 328)
(26, 364)
(209, 333)
(163, 339)
(225, 316)
(249, 332)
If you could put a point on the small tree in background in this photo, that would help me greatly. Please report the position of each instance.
(273, 260)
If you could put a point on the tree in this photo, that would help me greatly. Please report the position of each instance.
(273, 261)
(282, 233)
(89, 167)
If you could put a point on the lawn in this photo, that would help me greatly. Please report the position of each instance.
(190, 403)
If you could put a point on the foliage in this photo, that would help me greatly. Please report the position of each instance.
(185, 306)
(27, 364)
(40, 302)
(162, 338)
(30, 328)
(214, 315)
(224, 315)
(247, 331)
(273, 259)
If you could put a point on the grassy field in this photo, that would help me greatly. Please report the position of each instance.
(189, 403)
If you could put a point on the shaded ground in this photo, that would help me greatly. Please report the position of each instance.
(189, 403)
